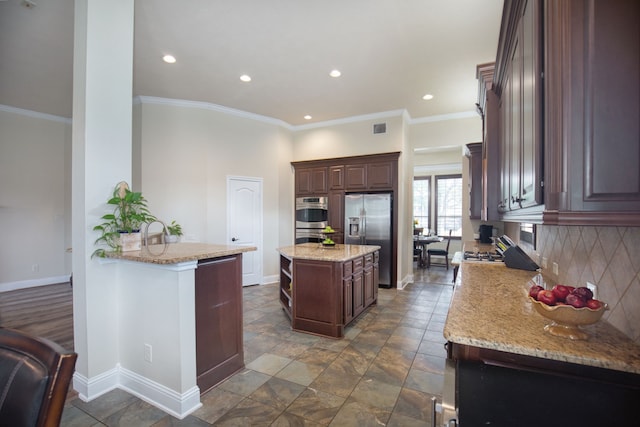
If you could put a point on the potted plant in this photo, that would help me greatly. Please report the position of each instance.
(121, 228)
(174, 231)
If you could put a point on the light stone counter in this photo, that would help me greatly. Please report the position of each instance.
(316, 252)
(175, 253)
(490, 310)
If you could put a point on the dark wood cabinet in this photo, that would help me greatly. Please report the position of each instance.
(370, 176)
(592, 135)
(322, 297)
(336, 177)
(311, 181)
(358, 174)
(370, 273)
(380, 176)
(475, 180)
(355, 177)
(489, 112)
(569, 98)
(336, 215)
(218, 306)
(518, 77)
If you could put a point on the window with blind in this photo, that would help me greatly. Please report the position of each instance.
(422, 202)
(448, 215)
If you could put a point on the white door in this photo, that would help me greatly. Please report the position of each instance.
(244, 223)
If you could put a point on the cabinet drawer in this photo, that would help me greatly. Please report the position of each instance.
(368, 259)
(358, 263)
(347, 269)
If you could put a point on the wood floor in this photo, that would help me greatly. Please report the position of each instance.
(44, 311)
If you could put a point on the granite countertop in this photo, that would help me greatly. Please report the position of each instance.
(490, 309)
(174, 253)
(337, 253)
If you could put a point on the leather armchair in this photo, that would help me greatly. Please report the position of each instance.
(34, 379)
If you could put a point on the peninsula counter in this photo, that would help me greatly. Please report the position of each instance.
(180, 321)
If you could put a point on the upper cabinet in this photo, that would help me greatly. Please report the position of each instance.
(475, 179)
(311, 181)
(592, 87)
(568, 94)
(489, 172)
(518, 80)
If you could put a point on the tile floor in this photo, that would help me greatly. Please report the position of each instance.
(384, 372)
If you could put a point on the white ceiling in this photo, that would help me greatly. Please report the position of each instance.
(390, 52)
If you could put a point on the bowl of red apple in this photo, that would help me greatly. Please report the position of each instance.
(568, 308)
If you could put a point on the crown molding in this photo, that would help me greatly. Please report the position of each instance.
(353, 119)
(211, 107)
(35, 114)
(443, 117)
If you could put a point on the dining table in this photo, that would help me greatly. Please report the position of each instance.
(421, 241)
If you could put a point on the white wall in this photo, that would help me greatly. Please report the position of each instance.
(349, 138)
(34, 199)
(181, 157)
(428, 138)
(186, 153)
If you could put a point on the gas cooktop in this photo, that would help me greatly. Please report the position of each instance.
(487, 256)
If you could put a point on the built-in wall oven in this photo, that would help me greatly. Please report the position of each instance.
(312, 216)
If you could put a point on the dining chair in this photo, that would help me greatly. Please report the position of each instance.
(440, 253)
(34, 379)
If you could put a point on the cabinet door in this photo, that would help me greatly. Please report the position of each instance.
(505, 146)
(592, 150)
(380, 176)
(336, 210)
(355, 177)
(311, 181)
(336, 177)
(475, 180)
(358, 292)
(218, 306)
(515, 137)
(530, 177)
(347, 285)
(368, 286)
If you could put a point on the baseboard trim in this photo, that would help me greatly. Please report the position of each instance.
(179, 405)
(405, 281)
(33, 283)
(176, 404)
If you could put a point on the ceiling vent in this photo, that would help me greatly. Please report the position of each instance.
(380, 128)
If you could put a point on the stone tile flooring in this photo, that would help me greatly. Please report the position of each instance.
(384, 372)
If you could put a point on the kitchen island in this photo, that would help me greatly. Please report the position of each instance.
(180, 321)
(505, 361)
(323, 289)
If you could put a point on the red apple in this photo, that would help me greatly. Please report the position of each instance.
(583, 292)
(533, 291)
(594, 304)
(545, 296)
(561, 292)
(575, 300)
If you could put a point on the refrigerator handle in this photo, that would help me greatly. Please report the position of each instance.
(363, 229)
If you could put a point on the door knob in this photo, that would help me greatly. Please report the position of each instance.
(233, 239)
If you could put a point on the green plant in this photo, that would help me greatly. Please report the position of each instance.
(130, 211)
(174, 229)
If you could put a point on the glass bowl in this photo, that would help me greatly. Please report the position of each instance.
(566, 320)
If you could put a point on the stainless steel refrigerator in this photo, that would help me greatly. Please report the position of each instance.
(368, 222)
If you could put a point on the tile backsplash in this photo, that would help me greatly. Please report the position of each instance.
(605, 256)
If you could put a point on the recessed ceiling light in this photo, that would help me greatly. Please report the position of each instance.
(308, 117)
(427, 97)
(245, 78)
(335, 73)
(169, 59)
